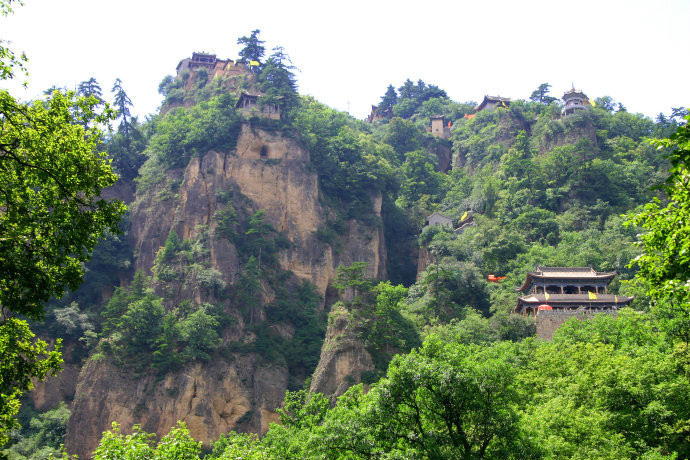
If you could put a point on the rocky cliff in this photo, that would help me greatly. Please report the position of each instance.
(237, 390)
(343, 358)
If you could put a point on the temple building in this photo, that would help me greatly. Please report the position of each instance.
(491, 102)
(377, 114)
(439, 127)
(574, 100)
(215, 66)
(249, 105)
(439, 220)
(554, 289)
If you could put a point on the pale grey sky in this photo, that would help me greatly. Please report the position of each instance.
(348, 52)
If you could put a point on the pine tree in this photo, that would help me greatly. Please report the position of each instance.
(388, 100)
(123, 103)
(278, 82)
(540, 94)
(89, 88)
(254, 49)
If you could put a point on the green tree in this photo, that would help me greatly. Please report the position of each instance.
(353, 277)
(135, 446)
(234, 445)
(258, 231)
(177, 445)
(22, 358)
(91, 88)
(122, 103)
(540, 95)
(390, 331)
(140, 445)
(447, 400)
(53, 213)
(254, 49)
(278, 83)
(9, 61)
(447, 288)
(141, 325)
(199, 332)
(665, 263)
(388, 100)
(248, 289)
(404, 136)
(51, 178)
(420, 178)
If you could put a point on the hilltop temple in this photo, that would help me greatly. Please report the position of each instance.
(555, 294)
(492, 102)
(574, 100)
(212, 63)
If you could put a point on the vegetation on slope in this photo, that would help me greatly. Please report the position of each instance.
(540, 188)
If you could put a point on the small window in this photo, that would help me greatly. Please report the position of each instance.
(264, 151)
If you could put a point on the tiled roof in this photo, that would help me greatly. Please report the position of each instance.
(572, 273)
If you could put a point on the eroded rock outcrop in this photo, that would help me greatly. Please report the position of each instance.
(211, 398)
(238, 391)
(343, 357)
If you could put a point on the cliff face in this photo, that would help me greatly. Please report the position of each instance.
(343, 358)
(272, 171)
(238, 391)
(48, 393)
(211, 399)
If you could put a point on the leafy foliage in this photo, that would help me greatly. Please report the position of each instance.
(185, 132)
(22, 359)
(53, 211)
(41, 437)
(253, 47)
(344, 157)
(176, 445)
(665, 263)
(51, 178)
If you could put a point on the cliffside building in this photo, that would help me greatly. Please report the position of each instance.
(574, 100)
(377, 114)
(439, 220)
(439, 127)
(491, 102)
(555, 294)
(215, 66)
(248, 103)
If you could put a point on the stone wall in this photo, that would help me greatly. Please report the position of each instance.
(548, 321)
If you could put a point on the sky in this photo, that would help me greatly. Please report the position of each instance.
(347, 53)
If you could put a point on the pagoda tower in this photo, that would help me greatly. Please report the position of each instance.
(574, 100)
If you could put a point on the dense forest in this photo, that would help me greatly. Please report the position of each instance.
(455, 373)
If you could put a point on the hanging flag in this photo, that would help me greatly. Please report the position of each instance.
(546, 295)
(464, 216)
(253, 63)
(616, 297)
(592, 296)
(594, 104)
